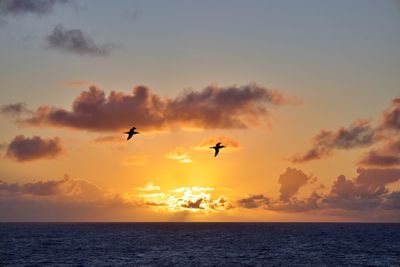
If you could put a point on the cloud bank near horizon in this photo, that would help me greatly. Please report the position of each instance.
(366, 197)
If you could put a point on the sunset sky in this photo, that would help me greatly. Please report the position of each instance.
(304, 95)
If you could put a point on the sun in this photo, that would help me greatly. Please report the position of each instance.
(193, 199)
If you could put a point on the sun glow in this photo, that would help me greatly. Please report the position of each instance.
(195, 199)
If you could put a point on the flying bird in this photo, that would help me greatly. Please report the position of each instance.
(217, 147)
(131, 133)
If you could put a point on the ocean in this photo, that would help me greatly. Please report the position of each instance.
(199, 244)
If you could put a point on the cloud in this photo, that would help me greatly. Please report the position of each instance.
(358, 134)
(184, 198)
(16, 109)
(366, 194)
(213, 107)
(66, 187)
(392, 201)
(254, 201)
(76, 42)
(149, 187)
(180, 154)
(193, 204)
(391, 117)
(385, 156)
(24, 148)
(291, 181)
(367, 191)
(22, 7)
(65, 199)
(78, 84)
(229, 143)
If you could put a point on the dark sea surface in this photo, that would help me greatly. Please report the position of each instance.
(199, 244)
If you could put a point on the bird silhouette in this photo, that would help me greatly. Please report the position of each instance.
(217, 147)
(131, 133)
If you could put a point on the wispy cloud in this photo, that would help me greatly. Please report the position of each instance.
(361, 133)
(76, 42)
(16, 109)
(22, 7)
(77, 84)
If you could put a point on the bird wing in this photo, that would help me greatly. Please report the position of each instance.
(129, 136)
(216, 152)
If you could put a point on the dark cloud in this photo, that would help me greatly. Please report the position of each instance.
(291, 181)
(392, 201)
(75, 41)
(24, 148)
(367, 191)
(16, 109)
(211, 108)
(254, 201)
(358, 134)
(65, 199)
(21, 7)
(311, 203)
(66, 187)
(391, 117)
(387, 155)
(227, 107)
(193, 204)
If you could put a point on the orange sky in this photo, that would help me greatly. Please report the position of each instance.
(307, 106)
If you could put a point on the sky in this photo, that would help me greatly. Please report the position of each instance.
(304, 95)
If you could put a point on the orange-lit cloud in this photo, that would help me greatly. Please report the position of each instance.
(180, 154)
(387, 155)
(150, 186)
(291, 181)
(24, 148)
(211, 108)
(184, 198)
(78, 84)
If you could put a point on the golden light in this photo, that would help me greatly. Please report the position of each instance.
(194, 199)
